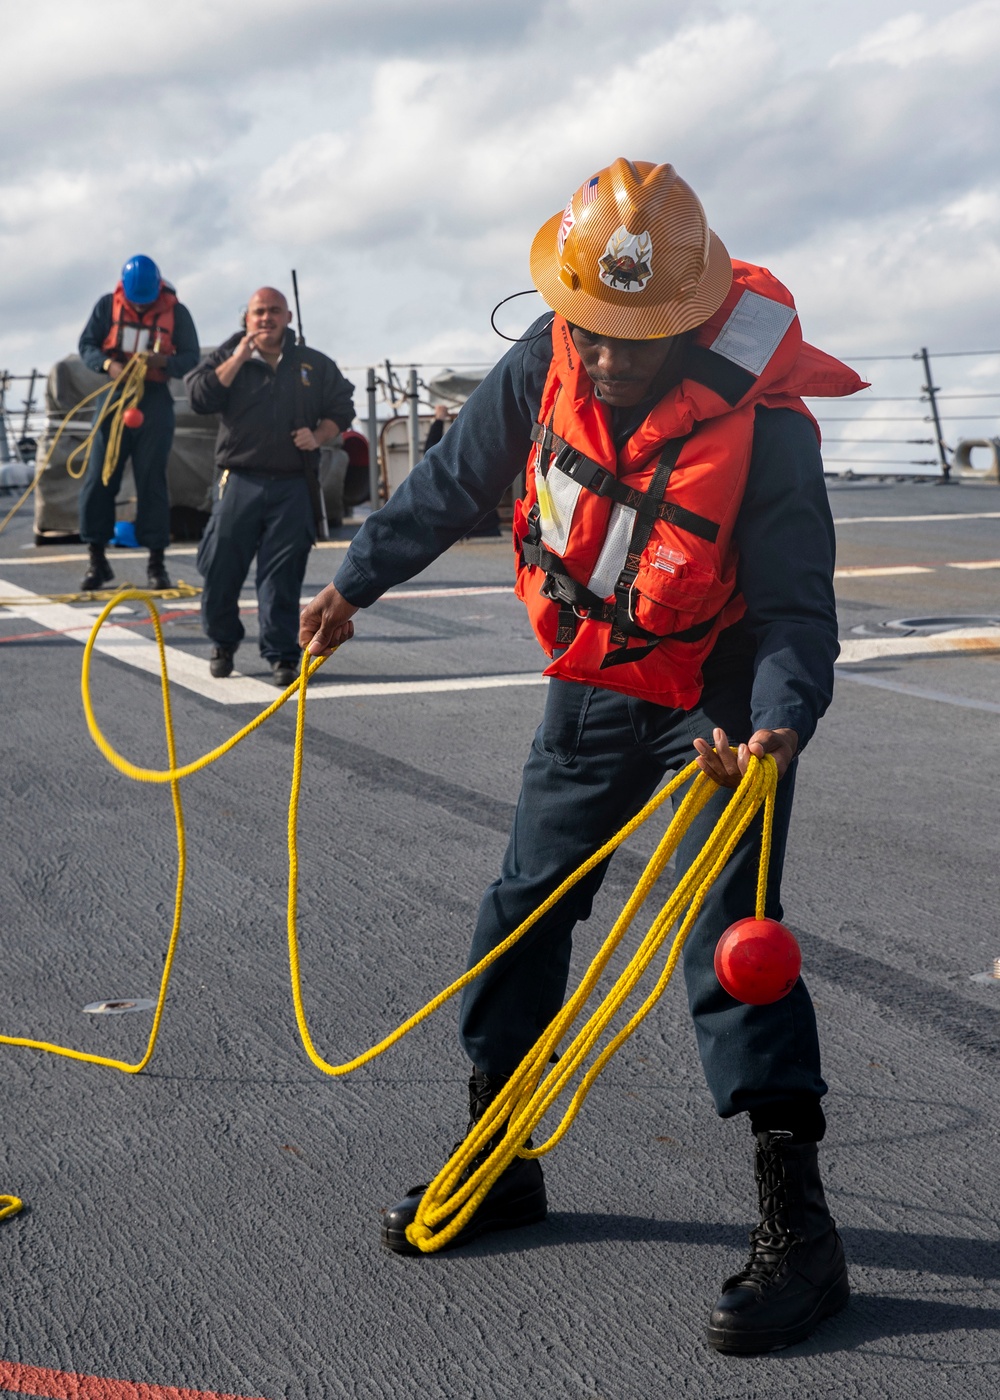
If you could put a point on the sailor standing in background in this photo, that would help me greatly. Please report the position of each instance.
(141, 315)
(279, 404)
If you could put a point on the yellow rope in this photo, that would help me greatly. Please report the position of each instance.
(10, 1205)
(126, 392)
(459, 1188)
(104, 595)
(170, 775)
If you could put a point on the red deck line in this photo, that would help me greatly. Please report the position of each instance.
(73, 1385)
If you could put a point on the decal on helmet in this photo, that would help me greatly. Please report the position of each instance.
(589, 192)
(568, 220)
(627, 264)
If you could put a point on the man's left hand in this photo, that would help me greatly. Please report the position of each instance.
(727, 768)
(156, 361)
(305, 440)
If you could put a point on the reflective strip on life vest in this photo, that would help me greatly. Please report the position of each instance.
(754, 330)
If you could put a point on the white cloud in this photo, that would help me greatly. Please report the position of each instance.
(402, 156)
(965, 36)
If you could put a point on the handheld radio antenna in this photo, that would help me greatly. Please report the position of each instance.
(298, 311)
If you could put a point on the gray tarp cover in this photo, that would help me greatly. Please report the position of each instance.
(453, 388)
(191, 473)
(190, 469)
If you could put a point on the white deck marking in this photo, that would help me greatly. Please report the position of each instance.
(906, 519)
(125, 645)
(921, 693)
(347, 690)
(123, 556)
(191, 671)
(404, 593)
(866, 571)
(116, 556)
(401, 595)
(956, 639)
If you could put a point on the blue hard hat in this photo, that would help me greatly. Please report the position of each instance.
(141, 280)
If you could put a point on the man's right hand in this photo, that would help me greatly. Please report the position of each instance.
(244, 350)
(115, 368)
(326, 622)
(229, 369)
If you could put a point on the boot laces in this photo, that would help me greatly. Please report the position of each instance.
(482, 1091)
(771, 1240)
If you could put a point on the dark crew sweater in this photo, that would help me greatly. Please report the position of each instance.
(263, 406)
(784, 531)
(93, 353)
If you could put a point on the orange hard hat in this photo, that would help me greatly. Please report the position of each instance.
(632, 256)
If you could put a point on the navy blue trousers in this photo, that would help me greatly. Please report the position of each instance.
(149, 448)
(595, 761)
(270, 515)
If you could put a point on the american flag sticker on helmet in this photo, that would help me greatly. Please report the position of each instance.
(589, 191)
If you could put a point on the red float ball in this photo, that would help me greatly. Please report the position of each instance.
(133, 418)
(758, 961)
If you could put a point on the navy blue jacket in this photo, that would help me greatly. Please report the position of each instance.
(784, 531)
(262, 407)
(93, 353)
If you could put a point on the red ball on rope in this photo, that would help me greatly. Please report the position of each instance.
(758, 961)
(133, 418)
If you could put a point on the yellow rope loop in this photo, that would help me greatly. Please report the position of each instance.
(10, 1205)
(180, 590)
(464, 1181)
(132, 379)
(172, 774)
(536, 1085)
(124, 392)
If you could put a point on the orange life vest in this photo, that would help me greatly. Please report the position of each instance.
(137, 328)
(626, 559)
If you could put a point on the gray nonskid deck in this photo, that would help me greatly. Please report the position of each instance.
(213, 1223)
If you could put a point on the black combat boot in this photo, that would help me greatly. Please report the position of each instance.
(284, 672)
(221, 662)
(156, 571)
(796, 1274)
(100, 571)
(516, 1198)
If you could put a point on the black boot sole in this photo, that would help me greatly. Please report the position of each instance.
(95, 580)
(507, 1215)
(752, 1343)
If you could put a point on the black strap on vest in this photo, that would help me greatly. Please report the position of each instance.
(556, 452)
(623, 623)
(573, 599)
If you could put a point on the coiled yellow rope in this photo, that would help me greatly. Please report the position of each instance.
(103, 595)
(10, 1205)
(126, 392)
(459, 1188)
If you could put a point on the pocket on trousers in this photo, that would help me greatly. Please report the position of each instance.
(565, 715)
(206, 546)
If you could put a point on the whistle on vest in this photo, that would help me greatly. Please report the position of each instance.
(546, 510)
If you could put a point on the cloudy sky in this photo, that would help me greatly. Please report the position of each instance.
(401, 154)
